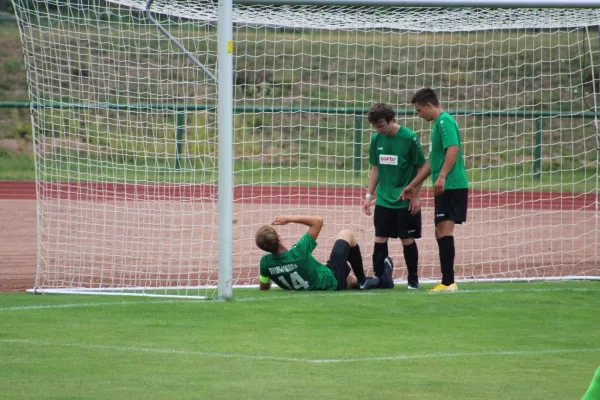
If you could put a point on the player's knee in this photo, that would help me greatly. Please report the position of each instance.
(444, 228)
(351, 282)
(348, 236)
(407, 242)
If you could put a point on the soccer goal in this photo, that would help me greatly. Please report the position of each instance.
(164, 138)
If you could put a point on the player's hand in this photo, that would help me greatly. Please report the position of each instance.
(414, 205)
(282, 220)
(438, 187)
(367, 206)
(407, 193)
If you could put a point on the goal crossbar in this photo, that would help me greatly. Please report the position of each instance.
(434, 3)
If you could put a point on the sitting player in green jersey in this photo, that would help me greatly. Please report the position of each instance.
(297, 269)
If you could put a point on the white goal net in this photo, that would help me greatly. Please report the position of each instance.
(126, 140)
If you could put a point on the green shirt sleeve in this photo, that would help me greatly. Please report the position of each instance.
(373, 151)
(264, 271)
(305, 246)
(416, 152)
(448, 132)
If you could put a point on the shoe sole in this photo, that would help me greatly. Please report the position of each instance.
(454, 289)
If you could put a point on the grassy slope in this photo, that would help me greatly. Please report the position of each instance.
(500, 151)
(21, 167)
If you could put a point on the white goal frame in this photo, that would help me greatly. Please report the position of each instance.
(226, 94)
(225, 83)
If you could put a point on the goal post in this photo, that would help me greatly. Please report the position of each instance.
(152, 176)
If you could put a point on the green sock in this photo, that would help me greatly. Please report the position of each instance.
(593, 392)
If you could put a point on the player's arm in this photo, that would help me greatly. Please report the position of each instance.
(449, 160)
(373, 180)
(373, 175)
(264, 276)
(414, 186)
(414, 205)
(417, 189)
(450, 141)
(315, 224)
(419, 161)
(422, 174)
(264, 283)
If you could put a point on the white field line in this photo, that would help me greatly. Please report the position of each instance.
(86, 305)
(299, 296)
(397, 357)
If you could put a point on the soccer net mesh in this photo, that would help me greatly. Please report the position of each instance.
(126, 134)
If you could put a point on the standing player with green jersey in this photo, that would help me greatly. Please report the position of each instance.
(396, 157)
(297, 269)
(450, 185)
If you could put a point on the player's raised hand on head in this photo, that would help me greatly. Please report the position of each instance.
(281, 220)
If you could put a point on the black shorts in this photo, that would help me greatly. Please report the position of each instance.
(452, 206)
(396, 223)
(338, 262)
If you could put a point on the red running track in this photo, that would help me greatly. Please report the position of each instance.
(288, 195)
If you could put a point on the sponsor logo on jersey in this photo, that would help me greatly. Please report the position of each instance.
(388, 159)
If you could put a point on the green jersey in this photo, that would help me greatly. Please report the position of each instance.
(297, 269)
(397, 158)
(445, 133)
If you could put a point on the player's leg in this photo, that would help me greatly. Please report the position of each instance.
(346, 250)
(444, 234)
(450, 209)
(385, 221)
(351, 282)
(409, 229)
(354, 255)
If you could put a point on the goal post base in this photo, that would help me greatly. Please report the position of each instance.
(121, 292)
(143, 292)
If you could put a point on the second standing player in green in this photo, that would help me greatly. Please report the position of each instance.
(450, 185)
(396, 157)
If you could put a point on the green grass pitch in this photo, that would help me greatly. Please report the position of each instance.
(487, 341)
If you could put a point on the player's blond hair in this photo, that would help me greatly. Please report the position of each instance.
(267, 239)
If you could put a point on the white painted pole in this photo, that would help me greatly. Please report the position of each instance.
(225, 122)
